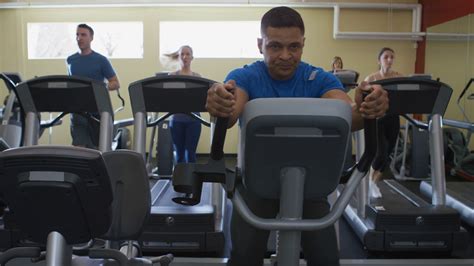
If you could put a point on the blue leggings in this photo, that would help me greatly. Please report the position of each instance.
(185, 136)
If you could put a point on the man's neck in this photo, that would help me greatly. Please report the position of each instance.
(86, 51)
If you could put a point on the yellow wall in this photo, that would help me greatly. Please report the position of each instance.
(319, 49)
(2, 22)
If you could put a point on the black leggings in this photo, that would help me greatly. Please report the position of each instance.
(249, 244)
(389, 126)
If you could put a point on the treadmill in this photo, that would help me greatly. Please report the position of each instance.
(173, 227)
(401, 221)
(64, 94)
(459, 194)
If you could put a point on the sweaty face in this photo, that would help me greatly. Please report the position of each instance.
(282, 49)
(83, 38)
(386, 60)
(185, 56)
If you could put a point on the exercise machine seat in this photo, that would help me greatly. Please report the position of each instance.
(132, 200)
(61, 189)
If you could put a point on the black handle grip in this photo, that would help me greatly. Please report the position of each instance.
(220, 131)
(370, 138)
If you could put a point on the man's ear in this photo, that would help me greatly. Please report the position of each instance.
(260, 43)
(304, 39)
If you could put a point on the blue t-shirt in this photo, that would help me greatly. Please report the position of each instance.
(308, 81)
(94, 66)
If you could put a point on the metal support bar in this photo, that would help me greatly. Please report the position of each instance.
(437, 160)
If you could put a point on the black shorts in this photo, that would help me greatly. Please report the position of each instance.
(84, 131)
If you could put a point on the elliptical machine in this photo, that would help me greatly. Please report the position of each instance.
(299, 127)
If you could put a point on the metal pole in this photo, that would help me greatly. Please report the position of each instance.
(106, 126)
(363, 189)
(437, 161)
(31, 129)
(139, 135)
(292, 181)
(58, 252)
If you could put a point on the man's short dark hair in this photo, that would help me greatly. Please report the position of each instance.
(281, 17)
(85, 26)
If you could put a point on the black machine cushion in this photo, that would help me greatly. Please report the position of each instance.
(132, 199)
(52, 188)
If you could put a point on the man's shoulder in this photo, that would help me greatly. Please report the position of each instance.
(98, 55)
(306, 67)
(252, 69)
(72, 57)
(313, 72)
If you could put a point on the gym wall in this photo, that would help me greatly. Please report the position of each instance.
(452, 62)
(320, 47)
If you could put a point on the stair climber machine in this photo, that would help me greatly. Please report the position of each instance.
(173, 227)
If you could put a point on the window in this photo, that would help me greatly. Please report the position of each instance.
(211, 39)
(58, 40)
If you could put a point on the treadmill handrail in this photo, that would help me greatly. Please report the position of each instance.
(8, 82)
(465, 89)
(53, 122)
(416, 123)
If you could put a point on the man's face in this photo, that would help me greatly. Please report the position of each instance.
(83, 38)
(282, 49)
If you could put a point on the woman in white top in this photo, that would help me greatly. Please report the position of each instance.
(390, 124)
(185, 130)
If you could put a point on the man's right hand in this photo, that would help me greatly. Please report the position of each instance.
(220, 100)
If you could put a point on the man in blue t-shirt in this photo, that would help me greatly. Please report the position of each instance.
(88, 64)
(282, 74)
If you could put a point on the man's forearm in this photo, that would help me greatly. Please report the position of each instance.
(357, 119)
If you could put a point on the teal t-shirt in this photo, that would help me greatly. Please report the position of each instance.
(94, 66)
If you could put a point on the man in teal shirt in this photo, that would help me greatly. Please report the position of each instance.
(282, 74)
(88, 64)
